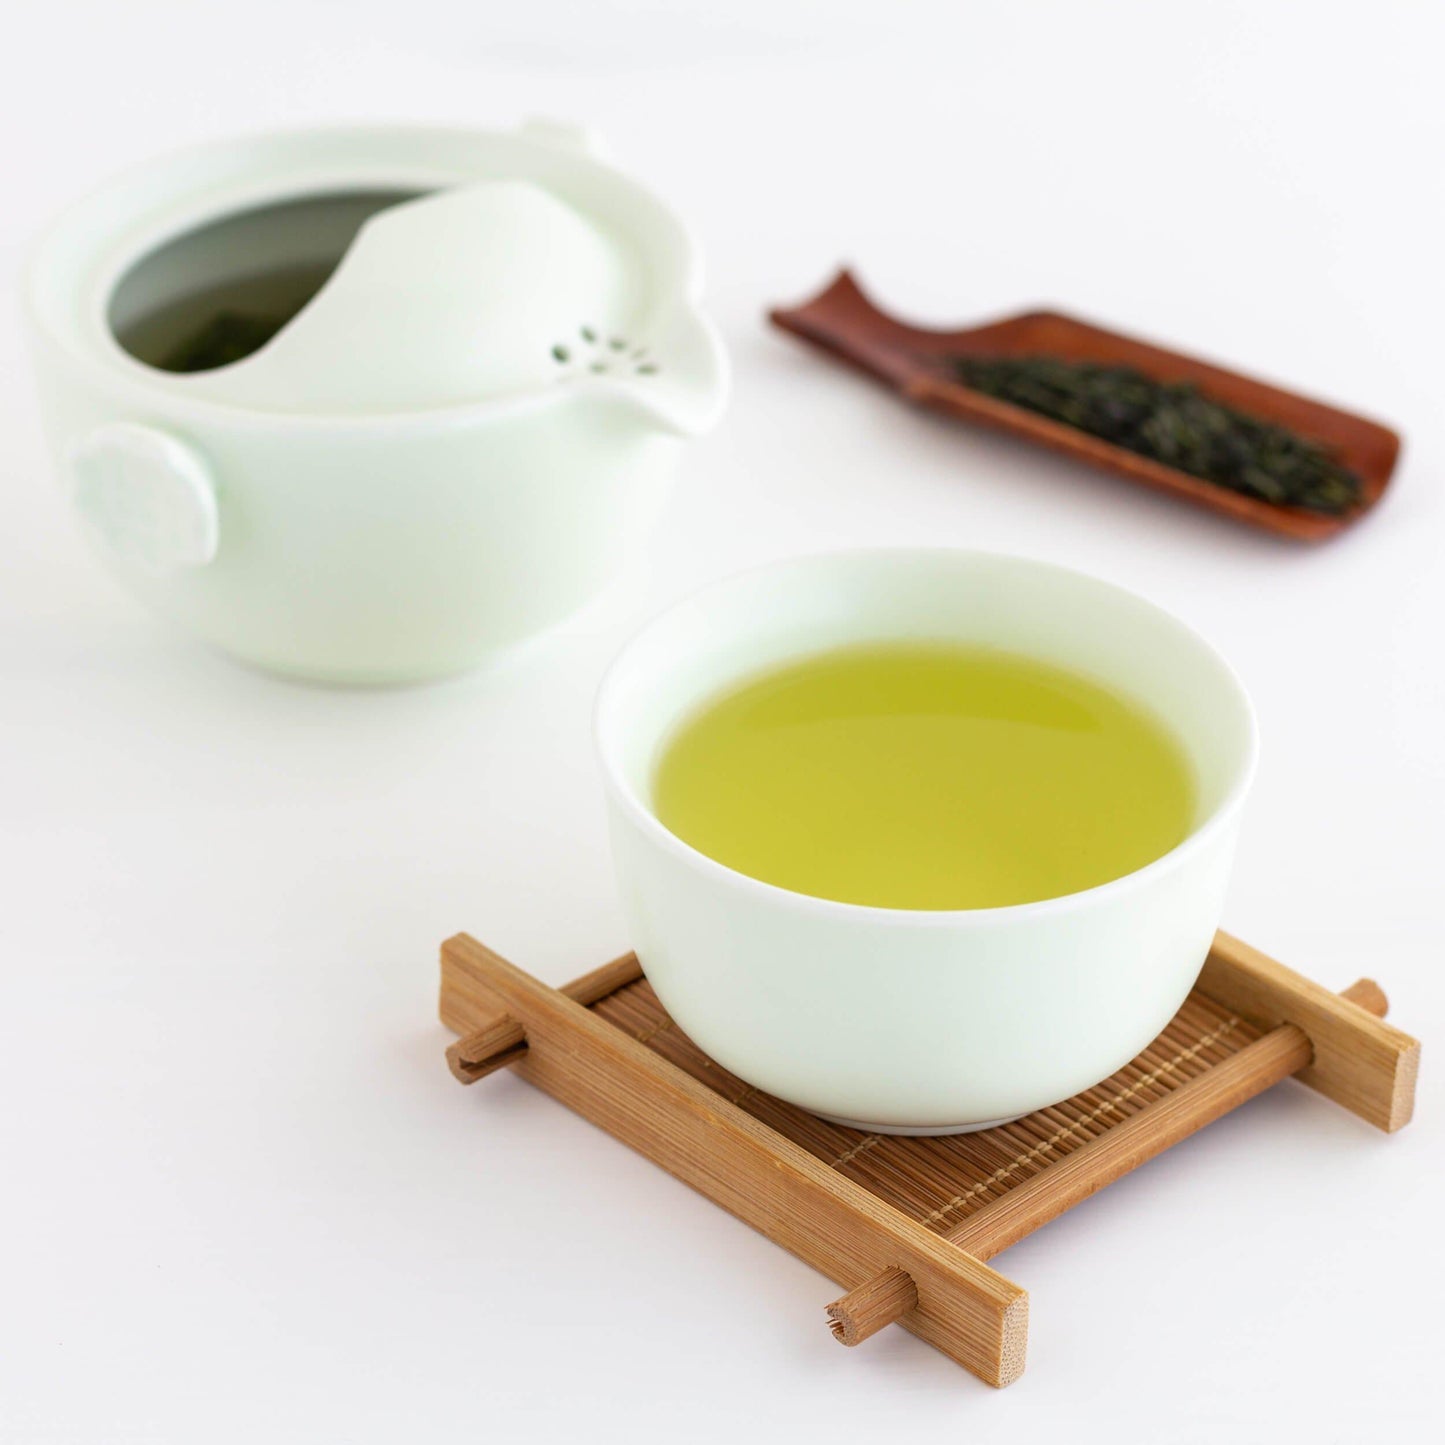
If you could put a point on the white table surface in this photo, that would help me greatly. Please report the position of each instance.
(240, 1197)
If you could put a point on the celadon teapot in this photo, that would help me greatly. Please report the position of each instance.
(371, 405)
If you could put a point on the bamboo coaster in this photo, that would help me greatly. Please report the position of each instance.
(904, 1223)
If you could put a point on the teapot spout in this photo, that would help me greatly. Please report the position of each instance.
(682, 385)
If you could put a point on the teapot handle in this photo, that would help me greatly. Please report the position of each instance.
(147, 496)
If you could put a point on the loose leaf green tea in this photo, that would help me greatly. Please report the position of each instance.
(226, 337)
(1174, 423)
(221, 324)
(925, 775)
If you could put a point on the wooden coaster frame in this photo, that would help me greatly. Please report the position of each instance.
(906, 1225)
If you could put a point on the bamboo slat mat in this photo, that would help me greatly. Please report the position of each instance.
(940, 1181)
(906, 1224)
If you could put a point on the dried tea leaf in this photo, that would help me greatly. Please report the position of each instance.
(1174, 423)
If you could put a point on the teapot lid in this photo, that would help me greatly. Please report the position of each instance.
(373, 273)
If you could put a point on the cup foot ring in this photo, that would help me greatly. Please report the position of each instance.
(919, 1130)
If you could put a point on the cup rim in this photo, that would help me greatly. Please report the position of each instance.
(606, 739)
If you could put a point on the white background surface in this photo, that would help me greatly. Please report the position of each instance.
(240, 1197)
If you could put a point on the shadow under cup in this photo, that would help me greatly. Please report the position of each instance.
(920, 1021)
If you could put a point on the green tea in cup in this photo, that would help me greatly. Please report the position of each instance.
(925, 775)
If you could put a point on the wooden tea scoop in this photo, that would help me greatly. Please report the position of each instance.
(915, 362)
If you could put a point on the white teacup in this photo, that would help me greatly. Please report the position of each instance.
(903, 1021)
